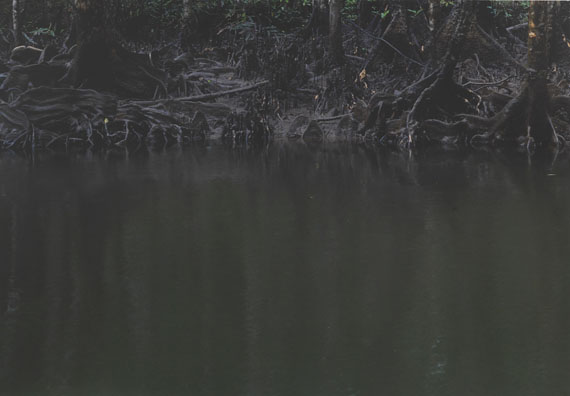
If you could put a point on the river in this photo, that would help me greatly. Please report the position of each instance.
(284, 270)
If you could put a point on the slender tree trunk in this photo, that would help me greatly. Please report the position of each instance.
(50, 11)
(186, 10)
(434, 14)
(16, 21)
(560, 50)
(335, 31)
(539, 43)
(186, 25)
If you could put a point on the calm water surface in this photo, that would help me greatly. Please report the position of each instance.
(284, 271)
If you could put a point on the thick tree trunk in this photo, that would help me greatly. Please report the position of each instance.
(101, 63)
(527, 117)
(335, 32)
(477, 40)
(93, 40)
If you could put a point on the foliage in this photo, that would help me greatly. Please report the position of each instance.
(414, 12)
(137, 18)
(43, 31)
(350, 10)
(512, 13)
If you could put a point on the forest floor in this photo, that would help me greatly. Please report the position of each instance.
(254, 85)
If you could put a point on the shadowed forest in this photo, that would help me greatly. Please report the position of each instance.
(105, 73)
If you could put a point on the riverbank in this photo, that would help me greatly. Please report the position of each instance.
(254, 83)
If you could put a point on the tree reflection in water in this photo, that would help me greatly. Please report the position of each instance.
(284, 270)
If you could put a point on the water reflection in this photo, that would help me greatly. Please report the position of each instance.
(286, 270)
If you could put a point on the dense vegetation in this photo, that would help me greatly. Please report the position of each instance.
(107, 72)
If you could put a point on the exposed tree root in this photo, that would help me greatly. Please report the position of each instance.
(514, 123)
(21, 77)
(40, 115)
(443, 93)
(42, 110)
(438, 108)
(44, 117)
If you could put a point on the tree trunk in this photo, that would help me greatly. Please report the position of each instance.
(319, 17)
(16, 21)
(186, 25)
(539, 42)
(93, 40)
(560, 50)
(101, 63)
(486, 17)
(335, 32)
(434, 14)
(527, 117)
(186, 10)
(364, 13)
(51, 11)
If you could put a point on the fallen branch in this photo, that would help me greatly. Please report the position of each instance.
(209, 96)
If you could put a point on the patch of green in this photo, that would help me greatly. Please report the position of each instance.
(415, 13)
(42, 32)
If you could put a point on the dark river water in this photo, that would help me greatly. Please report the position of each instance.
(286, 270)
